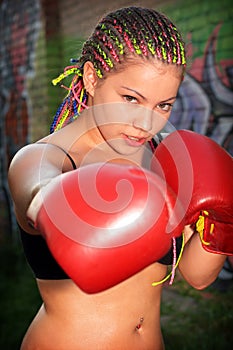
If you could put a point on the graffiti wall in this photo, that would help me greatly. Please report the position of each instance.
(20, 24)
(205, 99)
(205, 102)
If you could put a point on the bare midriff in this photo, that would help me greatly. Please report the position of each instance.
(124, 317)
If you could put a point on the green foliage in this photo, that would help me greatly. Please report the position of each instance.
(197, 319)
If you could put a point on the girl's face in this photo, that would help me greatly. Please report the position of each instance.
(131, 106)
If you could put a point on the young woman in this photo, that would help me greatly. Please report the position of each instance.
(133, 61)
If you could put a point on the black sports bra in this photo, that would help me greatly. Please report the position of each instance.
(42, 263)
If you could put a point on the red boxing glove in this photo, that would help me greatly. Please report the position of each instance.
(201, 174)
(105, 222)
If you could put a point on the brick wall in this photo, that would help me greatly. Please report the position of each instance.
(79, 18)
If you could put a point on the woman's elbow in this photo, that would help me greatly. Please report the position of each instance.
(199, 282)
(200, 286)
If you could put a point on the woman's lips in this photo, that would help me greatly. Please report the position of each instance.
(134, 141)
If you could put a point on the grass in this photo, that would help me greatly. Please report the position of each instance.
(197, 319)
(200, 320)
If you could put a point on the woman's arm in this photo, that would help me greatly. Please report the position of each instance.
(199, 267)
(32, 168)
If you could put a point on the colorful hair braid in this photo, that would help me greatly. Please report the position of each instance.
(127, 32)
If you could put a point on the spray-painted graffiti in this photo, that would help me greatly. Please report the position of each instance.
(19, 29)
(206, 105)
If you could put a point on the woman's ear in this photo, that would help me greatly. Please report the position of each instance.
(89, 78)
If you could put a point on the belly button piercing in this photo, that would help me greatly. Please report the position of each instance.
(139, 325)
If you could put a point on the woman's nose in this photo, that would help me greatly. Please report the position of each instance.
(143, 119)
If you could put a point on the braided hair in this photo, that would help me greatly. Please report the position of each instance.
(122, 34)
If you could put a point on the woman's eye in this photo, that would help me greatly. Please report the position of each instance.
(129, 98)
(166, 107)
